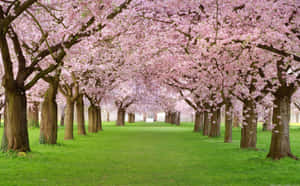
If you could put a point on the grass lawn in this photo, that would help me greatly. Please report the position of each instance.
(149, 154)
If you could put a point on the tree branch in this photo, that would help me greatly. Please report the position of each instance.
(5, 23)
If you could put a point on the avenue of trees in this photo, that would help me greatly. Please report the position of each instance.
(242, 57)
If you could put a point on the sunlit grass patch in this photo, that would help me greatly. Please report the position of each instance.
(149, 154)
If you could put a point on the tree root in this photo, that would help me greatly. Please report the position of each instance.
(293, 156)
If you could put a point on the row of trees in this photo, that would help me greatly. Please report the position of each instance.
(215, 53)
(42, 41)
(150, 56)
(222, 67)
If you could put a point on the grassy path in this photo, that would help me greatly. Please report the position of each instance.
(148, 154)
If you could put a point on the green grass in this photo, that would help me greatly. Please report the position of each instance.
(149, 154)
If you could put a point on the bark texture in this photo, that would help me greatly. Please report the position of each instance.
(69, 120)
(92, 112)
(249, 127)
(121, 117)
(167, 117)
(205, 131)
(4, 138)
(80, 115)
(131, 118)
(177, 118)
(280, 143)
(33, 115)
(48, 128)
(16, 134)
(228, 124)
(199, 120)
(173, 118)
(99, 119)
(215, 129)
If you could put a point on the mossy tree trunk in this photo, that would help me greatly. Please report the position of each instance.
(249, 126)
(206, 126)
(48, 127)
(33, 115)
(228, 123)
(215, 129)
(80, 115)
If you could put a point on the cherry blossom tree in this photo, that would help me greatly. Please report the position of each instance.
(19, 20)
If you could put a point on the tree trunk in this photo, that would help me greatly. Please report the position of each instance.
(69, 117)
(249, 126)
(107, 116)
(121, 117)
(280, 143)
(144, 117)
(177, 118)
(99, 120)
(236, 121)
(80, 115)
(62, 116)
(215, 124)
(267, 125)
(48, 128)
(16, 132)
(205, 131)
(155, 117)
(173, 118)
(198, 122)
(33, 115)
(131, 118)
(228, 124)
(92, 111)
(167, 117)
(170, 117)
(4, 139)
(297, 117)
(201, 120)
